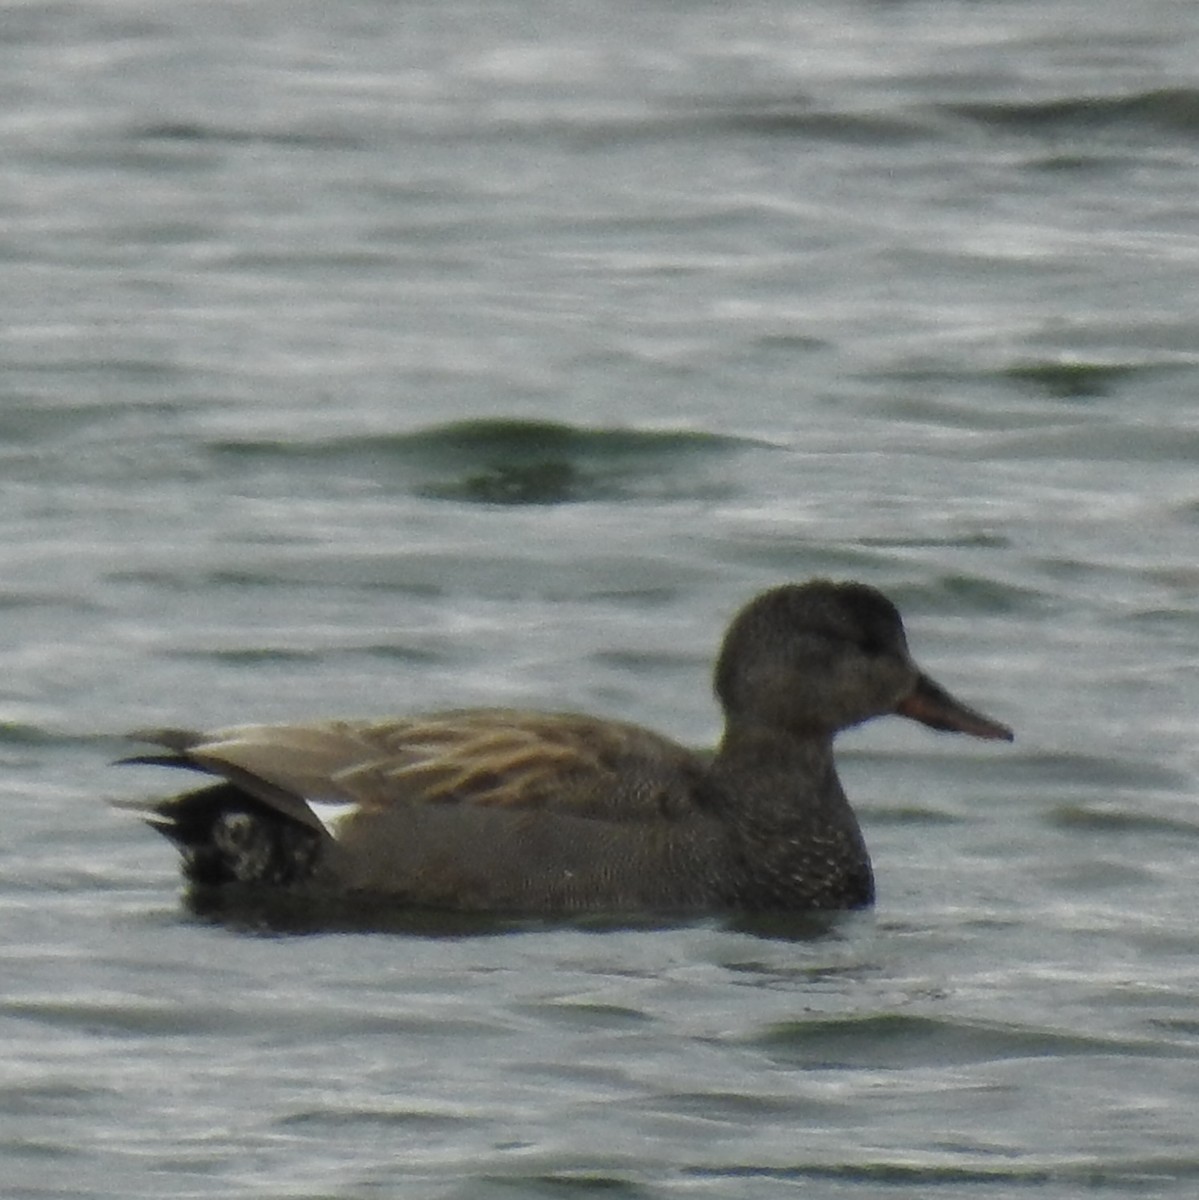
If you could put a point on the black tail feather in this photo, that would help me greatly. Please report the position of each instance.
(227, 836)
(158, 760)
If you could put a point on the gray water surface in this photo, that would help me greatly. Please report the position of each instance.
(378, 357)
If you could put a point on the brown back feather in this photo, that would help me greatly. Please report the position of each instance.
(518, 760)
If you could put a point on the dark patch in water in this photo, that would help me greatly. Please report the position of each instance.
(1107, 820)
(1187, 1026)
(534, 483)
(794, 121)
(905, 1175)
(562, 1186)
(644, 662)
(1071, 380)
(515, 462)
(1091, 771)
(575, 1014)
(193, 132)
(1067, 163)
(246, 655)
(967, 594)
(1165, 621)
(895, 1040)
(384, 1119)
(911, 815)
(1173, 110)
(51, 1099)
(15, 733)
(966, 541)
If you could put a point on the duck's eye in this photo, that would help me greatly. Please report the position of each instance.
(875, 621)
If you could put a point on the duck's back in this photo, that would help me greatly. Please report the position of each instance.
(478, 809)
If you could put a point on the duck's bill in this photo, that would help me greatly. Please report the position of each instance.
(932, 705)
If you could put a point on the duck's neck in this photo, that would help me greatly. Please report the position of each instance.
(801, 842)
(765, 749)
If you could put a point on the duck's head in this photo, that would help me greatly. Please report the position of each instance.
(817, 657)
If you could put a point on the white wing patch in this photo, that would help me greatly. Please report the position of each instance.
(330, 813)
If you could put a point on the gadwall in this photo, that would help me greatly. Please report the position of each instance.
(501, 811)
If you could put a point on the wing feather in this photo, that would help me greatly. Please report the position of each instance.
(519, 760)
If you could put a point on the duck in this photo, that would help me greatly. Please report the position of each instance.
(495, 810)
